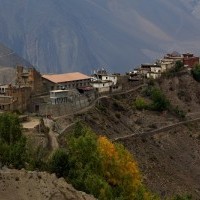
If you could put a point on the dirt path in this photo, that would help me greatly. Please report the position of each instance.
(165, 128)
(32, 123)
(52, 135)
(96, 100)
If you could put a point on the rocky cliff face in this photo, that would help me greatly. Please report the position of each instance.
(61, 36)
(21, 184)
(8, 58)
(8, 61)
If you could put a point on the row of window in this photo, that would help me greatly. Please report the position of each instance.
(60, 100)
(68, 86)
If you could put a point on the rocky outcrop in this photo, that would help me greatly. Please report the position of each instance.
(32, 185)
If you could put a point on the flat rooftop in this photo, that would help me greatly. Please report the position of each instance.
(67, 77)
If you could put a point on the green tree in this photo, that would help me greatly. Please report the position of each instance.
(178, 66)
(10, 128)
(97, 166)
(59, 163)
(12, 142)
(83, 156)
(196, 72)
(174, 70)
(160, 102)
(18, 154)
(36, 158)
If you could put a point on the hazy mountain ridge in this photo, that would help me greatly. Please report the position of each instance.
(60, 36)
(8, 58)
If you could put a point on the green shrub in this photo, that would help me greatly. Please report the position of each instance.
(12, 143)
(184, 197)
(36, 158)
(140, 103)
(196, 72)
(180, 113)
(10, 128)
(59, 163)
(160, 102)
(174, 70)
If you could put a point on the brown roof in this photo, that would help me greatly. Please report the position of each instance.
(61, 78)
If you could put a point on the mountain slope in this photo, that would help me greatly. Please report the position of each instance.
(168, 156)
(60, 36)
(8, 58)
(8, 61)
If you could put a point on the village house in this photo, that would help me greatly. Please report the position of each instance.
(155, 71)
(145, 68)
(166, 64)
(174, 56)
(17, 96)
(189, 60)
(29, 77)
(63, 89)
(150, 70)
(135, 75)
(103, 82)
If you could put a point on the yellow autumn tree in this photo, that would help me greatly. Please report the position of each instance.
(121, 171)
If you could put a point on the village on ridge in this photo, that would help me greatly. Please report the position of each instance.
(59, 94)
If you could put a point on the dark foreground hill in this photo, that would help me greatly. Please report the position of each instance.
(21, 184)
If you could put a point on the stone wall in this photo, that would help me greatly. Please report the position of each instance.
(48, 109)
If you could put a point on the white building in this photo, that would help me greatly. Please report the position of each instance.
(166, 64)
(155, 72)
(102, 81)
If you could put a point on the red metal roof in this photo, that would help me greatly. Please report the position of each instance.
(61, 78)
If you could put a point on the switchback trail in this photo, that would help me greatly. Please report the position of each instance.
(162, 129)
(96, 100)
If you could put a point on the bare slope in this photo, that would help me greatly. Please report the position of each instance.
(170, 159)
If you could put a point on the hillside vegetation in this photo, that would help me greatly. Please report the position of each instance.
(89, 162)
(169, 158)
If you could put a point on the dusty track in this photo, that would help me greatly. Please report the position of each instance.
(162, 129)
(96, 100)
